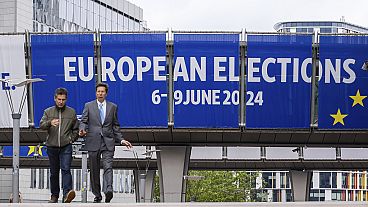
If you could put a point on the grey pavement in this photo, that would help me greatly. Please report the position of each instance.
(297, 204)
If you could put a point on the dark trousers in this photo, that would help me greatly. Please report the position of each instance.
(94, 158)
(60, 158)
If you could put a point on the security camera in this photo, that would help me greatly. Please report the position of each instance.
(295, 150)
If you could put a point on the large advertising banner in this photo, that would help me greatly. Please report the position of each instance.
(12, 67)
(62, 61)
(278, 88)
(343, 86)
(26, 151)
(134, 66)
(206, 80)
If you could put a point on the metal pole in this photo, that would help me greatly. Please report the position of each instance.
(84, 177)
(16, 134)
(170, 80)
(314, 83)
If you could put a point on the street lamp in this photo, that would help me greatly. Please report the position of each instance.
(16, 127)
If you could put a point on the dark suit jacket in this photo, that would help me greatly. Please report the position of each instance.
(109, 130)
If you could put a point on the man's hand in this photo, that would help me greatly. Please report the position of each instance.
(127, 144)
(55, 122)
(82, 133)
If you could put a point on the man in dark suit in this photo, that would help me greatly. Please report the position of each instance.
(100, 127)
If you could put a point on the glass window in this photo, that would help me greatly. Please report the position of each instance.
(345, 180)
(83, 18)
(33, 178)
(108, 14)
(353, 180)
(301, 30)
(102, 11)
(114, 16)
(334, 179)
(126, 24)
(360, 180)
(41, 176)
(325, 180)
(102, 23)
(269, 178)
(69, 11)
(77, 14)
(90, 20)
(325, 30)
(108, 25)
(84, 4)
(121, 20)
(289, 195)
(285, 183)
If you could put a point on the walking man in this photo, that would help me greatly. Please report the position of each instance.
(101, 128)
(61, 124)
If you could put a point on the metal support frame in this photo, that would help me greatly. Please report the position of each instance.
(242, 80)
(170, 78)
(314, 82)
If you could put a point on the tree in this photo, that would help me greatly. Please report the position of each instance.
(221, 186)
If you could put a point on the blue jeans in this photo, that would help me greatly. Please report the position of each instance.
(60, 158)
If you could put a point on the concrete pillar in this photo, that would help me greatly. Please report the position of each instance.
(144, 184)
(300, 184)
(173, 163)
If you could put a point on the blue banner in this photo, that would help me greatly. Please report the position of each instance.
(206, 80)
(62, 61)
(278, 80)
(26, 151)
(134, 66)
(343, 91)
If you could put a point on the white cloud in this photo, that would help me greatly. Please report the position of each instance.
(254, 15)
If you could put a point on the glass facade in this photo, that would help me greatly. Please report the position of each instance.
(339, 186)
(275, 186)
(319, 26)
(85, 15)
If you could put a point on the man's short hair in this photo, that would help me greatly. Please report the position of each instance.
(61, 91)
(103, 85)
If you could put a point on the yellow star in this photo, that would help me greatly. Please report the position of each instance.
(32, 149)
(358, 99)
(339, 118)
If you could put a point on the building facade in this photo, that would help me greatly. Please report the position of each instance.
(319, 26)
(70, 16)
(67, 16)
(275, 186)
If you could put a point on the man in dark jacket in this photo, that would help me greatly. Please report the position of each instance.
(61, 124)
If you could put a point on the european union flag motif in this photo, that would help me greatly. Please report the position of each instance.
(343, 82)
(26, 151)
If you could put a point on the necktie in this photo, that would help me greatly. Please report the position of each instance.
(102, 114)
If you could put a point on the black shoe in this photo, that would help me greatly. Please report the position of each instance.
(97, 200)
(108, 196)
(54, 199)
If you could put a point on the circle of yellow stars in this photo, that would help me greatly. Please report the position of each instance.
(339, 117)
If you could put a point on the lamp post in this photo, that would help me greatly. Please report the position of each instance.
(16, 128)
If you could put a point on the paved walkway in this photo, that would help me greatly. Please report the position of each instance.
(293, 204)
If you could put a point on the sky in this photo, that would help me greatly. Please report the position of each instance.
(252, 15)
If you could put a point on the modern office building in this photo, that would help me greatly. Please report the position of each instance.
(70, 16)
(274, 186)
(319, 26)
(67, 16)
